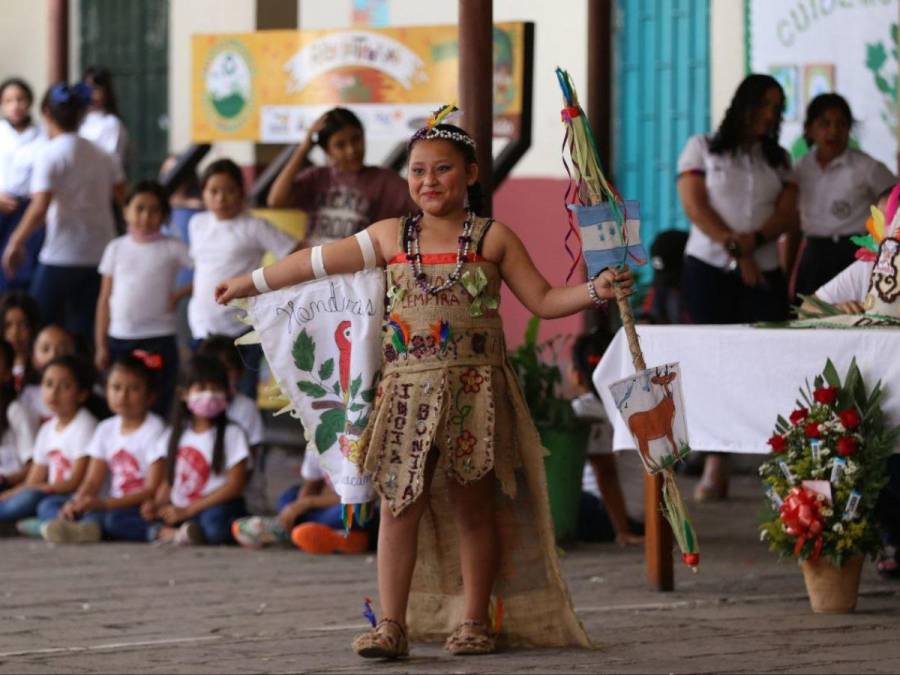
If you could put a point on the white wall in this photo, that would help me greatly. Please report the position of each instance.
(23, 43)
(560, 40)
(187, 17)
(726, 54)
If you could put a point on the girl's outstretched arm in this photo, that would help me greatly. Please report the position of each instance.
(339, 257)
(533, 290)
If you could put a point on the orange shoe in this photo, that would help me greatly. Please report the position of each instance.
(321, 539)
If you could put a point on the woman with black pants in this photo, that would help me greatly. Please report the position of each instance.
(738, 191)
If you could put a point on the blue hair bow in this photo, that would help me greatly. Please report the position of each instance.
(61, 93)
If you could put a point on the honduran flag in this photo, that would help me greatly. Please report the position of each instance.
(603, 242)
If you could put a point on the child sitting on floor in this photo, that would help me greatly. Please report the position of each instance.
(206, 463)
(52, 342)
(124, 449)
(309, 516)
(242, 410)
(17, 427)
(21, 318)
(602, 516)
(59, 460)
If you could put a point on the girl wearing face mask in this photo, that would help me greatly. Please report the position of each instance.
(136, 306)
(345, 196)
(206, 463)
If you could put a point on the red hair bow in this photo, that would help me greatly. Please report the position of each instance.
(152, 361)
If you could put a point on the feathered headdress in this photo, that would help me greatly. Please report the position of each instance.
(442, 115)
(879, 225)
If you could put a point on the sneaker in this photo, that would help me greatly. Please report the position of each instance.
(29, 527)
(256, 532)
(886, 562)
(60, 531)
(189, 534)
(321, 539)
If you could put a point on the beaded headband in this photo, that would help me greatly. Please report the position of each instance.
(431, 132)
(426, 134)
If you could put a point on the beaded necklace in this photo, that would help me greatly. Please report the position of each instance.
(414, 256)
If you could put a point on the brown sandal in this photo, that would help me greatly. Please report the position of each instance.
(386, 641)
(470, 638)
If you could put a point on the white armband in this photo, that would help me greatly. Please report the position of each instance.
(259, 281)
(318, 265)
(366, 248)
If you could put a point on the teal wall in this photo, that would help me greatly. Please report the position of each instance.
(662, 98)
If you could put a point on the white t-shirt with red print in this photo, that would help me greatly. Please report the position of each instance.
(33, 400)
(17, 442)
(194, 477)
(58, 449)
(128, 456)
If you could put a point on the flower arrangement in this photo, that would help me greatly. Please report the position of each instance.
(826, 469)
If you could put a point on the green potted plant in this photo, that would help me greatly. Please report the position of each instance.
(562, 433)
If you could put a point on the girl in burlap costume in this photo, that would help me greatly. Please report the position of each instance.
(449, 437)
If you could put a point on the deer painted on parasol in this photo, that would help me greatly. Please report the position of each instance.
(650, 425)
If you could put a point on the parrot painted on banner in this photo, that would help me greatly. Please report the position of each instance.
(342, 339)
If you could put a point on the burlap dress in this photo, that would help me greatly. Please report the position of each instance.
(447, 387)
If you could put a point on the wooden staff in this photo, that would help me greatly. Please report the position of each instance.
(657, 533)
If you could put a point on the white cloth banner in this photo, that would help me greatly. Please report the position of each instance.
(322, 340)
(817, 46)
(736, 380)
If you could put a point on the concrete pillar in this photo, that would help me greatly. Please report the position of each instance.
(58, 41)
(476, 83)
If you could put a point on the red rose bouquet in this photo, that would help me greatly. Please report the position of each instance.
(825, 470)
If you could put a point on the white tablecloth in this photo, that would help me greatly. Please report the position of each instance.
(738, 379)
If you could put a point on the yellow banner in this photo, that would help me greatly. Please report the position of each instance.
(269, 86)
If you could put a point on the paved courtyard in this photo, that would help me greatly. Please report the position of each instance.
(114, 608)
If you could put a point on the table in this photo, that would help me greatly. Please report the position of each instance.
(736, 380)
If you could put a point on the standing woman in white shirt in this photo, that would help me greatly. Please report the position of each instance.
(20, 140)
(225, 241)
(102, 124)
(72, 185)
(837, 185)
(737, 189)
